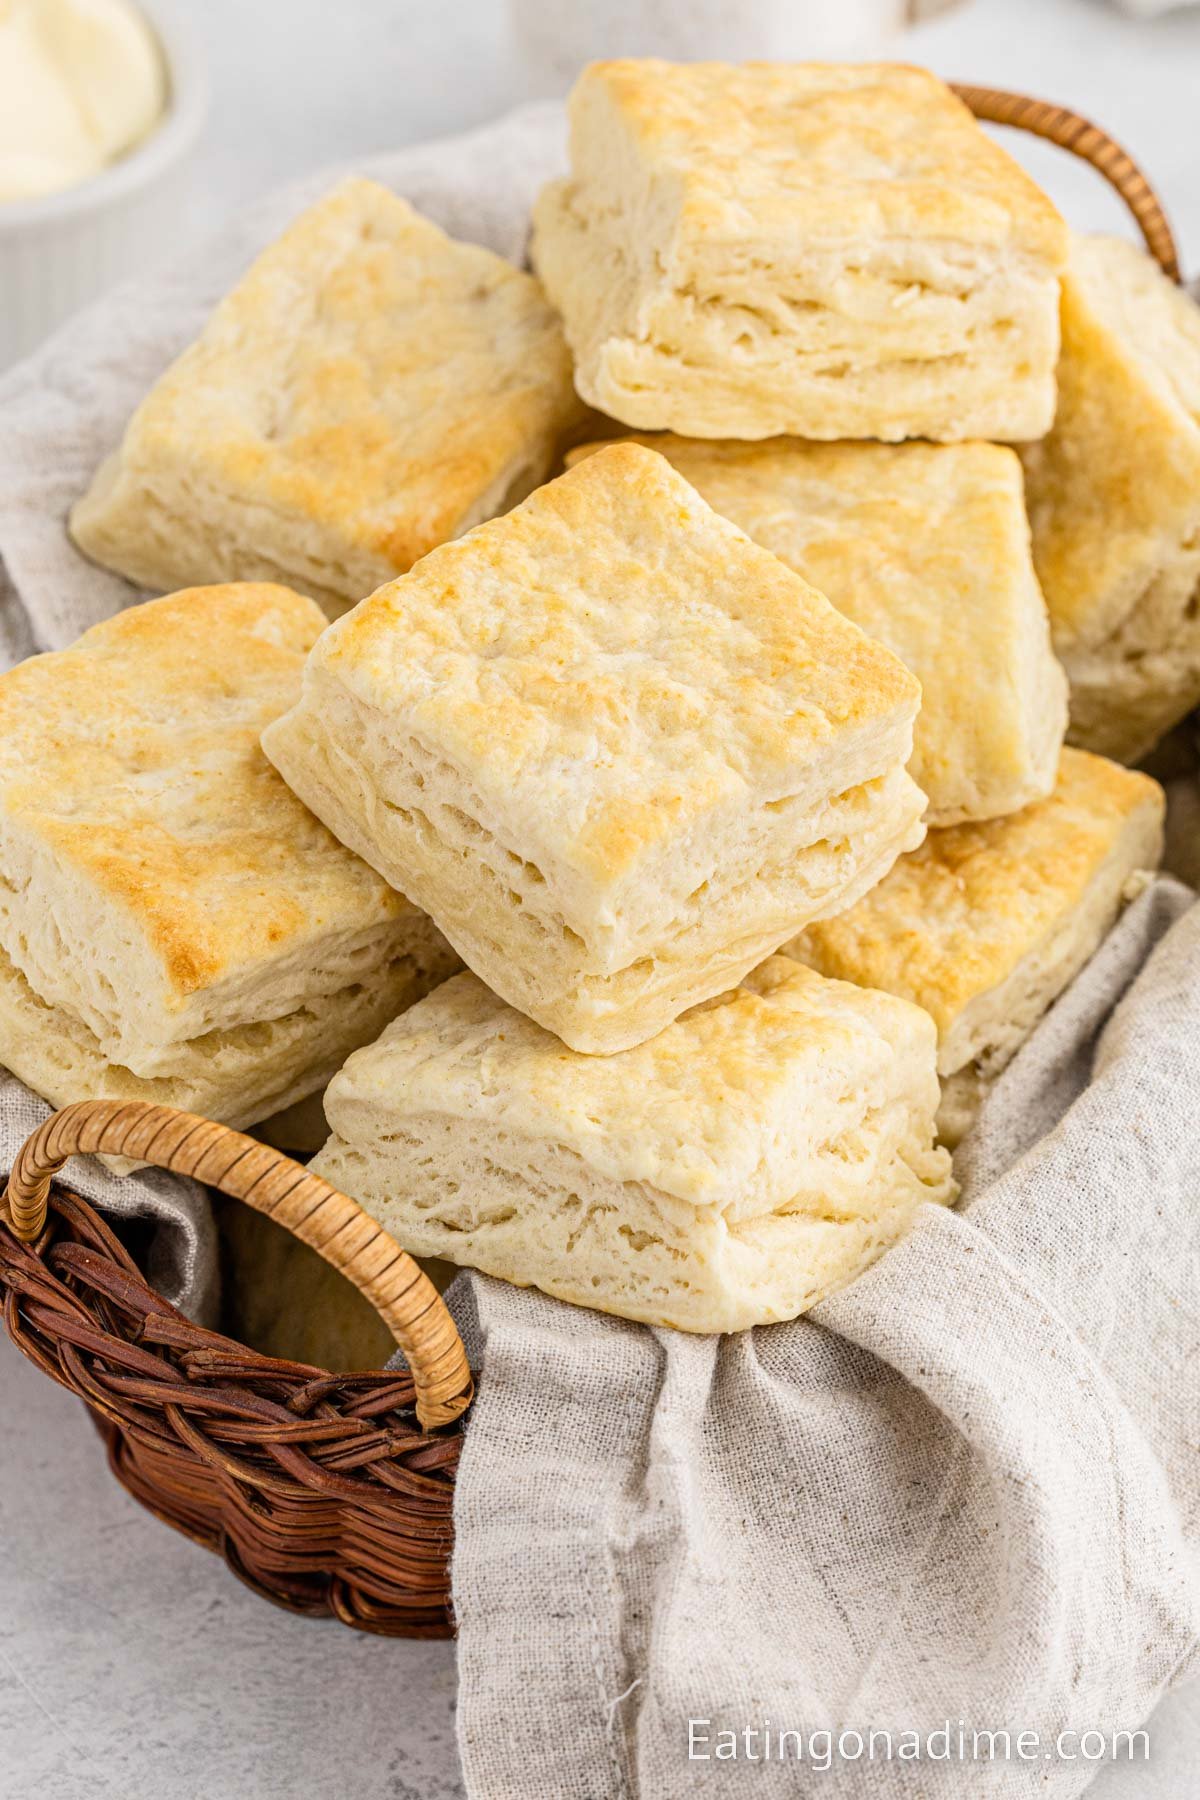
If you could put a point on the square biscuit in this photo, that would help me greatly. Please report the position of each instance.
(925, 547)
(1114, 499)
(821, 250)
(752, 1157)
(986, 924)
(614, 749)
(367, 390)
(174, 924)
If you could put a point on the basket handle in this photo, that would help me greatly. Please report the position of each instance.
(328, 1221)
(1071, 131)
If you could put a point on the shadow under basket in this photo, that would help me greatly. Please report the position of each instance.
(330, 1494)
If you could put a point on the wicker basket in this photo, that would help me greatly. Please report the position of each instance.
(327, 1493)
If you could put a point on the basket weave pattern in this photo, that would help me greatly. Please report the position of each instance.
(321, 1491)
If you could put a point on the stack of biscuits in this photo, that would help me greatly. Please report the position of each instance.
(608, 735)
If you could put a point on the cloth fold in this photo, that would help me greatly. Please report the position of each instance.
(965, 1487)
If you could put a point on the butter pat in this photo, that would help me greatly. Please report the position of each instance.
(81, 82)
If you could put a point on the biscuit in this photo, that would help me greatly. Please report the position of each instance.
(926, 547)
(986, 924)
(614, 749)
(826, 251)
(174, 925)
(369, 389)
(1114, 500)
(751, 1158)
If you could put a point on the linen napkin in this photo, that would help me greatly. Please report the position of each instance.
(966, 1487)
(962, 1494)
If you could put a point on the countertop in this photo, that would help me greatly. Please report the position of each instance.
(134, 1665)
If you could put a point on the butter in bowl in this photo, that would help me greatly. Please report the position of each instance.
(101, 104)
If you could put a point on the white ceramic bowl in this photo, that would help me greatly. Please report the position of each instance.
(60, 251)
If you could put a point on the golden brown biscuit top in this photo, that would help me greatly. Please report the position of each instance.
(131, 764)
(716, 1109)
(787, 151)
(955, 917)
(612, 663)
(925, 547)
(368, 373)
(892, 532)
